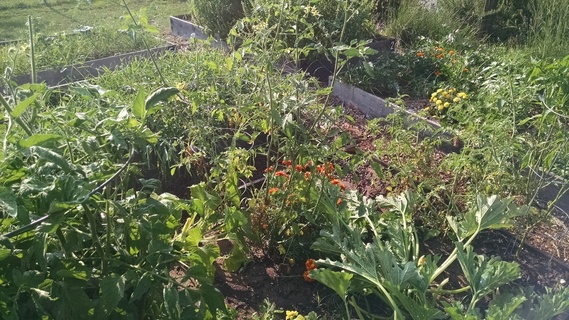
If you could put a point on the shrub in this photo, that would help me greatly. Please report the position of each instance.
(300, 23)
(218, 16)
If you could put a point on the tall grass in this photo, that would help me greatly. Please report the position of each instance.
(549, 31)
(416, 19)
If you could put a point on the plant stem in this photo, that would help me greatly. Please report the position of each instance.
(32, 49)
(18, 120)
(146, 46)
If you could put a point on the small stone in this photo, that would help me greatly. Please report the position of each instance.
(562, 281)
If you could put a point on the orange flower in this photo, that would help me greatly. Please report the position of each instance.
(307, 175)
(451, 52)
(310, 265)
(339, 201)
(281, 174)
(420, 54)
(298, 168)
(320, 169)
(342, 186)
(465, 69)
(453, 60)
(306, 276)
(287, 162)
(335, 181)
(269, 169)
(440, 50)
(309, 163)
(273, 190)
(440, 56)
(437, 73)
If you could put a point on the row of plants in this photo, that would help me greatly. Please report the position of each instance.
(86, 232)
(87, 43)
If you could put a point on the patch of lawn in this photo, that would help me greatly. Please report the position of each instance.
(52, 16)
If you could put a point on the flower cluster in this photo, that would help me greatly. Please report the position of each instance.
(448, 64)
(293, 315)
(302, 174)
(443, 99)
(310, 265)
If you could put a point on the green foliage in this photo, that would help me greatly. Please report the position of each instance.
(80, 238)
(69, 48)
(217, 16)
(378, 254)
(308, 26)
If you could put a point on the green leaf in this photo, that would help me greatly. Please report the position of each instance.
(503, 306)
(144, 284)
(51, 156)
(138, 109)
(172, 302)
(4, 253)
(337, 281)
(8, 201)
(160, 95)
(112, 291)
(490, 213)
(39, 139)
(22, 106)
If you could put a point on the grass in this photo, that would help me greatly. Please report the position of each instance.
(53, 16)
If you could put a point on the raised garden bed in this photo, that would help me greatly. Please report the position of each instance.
(372, 106)
(93, 68)
(182, 27)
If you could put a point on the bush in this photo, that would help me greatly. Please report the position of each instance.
(217, 16)
(301, 23)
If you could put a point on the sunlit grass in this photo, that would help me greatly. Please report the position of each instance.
(52, 16)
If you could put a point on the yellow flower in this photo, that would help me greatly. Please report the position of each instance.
(291, 315)
(427, 109)
(434, 94)
(446, 105)
(456, 100)
(439, 102)
(462, 95)
(440, 90)
(446, 95)
(440, 107)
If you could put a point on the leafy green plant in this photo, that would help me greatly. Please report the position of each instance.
(379, 255)
(79, 237)
(218, 16)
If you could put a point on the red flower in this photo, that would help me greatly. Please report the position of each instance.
(269, 169)
(310, 265)
(298, 168)
(420, 54)
(281, 174)
(273, 190)
(307, 175)
(437, 73)
(287, 162)
(307, 278)
(339, 201)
